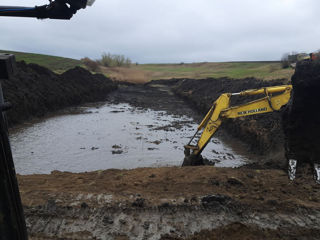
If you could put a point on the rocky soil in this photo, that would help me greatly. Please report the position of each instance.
(35, 90)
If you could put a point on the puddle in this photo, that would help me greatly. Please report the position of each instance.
(111, 136)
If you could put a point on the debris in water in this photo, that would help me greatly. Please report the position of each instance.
(151, 149)
(117, 151)
(116, 146)
(116, 111)
(230, 155)
(157, 142)
(214, 151)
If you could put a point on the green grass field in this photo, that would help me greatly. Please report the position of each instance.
(261, 70)
(147, 72)
(56, 64)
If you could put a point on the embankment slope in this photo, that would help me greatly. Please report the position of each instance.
(35, 90)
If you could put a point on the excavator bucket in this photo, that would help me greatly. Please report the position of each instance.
(191, 159)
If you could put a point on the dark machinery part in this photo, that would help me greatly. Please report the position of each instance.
(56, 9)
(12, 221)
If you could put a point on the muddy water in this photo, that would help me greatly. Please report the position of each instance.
(109, 136)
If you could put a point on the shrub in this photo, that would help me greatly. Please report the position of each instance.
(114, 60)
(285, 60)
(90, 64)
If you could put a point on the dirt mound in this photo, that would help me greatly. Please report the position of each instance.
(302, 118)
(35, 90)
(263, 133)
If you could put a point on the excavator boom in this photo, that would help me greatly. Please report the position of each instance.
(274, 98)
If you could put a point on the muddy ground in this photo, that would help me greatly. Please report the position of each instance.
(35, 91)
(252, 202)
(171, 203)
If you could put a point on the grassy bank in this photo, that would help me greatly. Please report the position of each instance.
(237, 70)
(261, 70)
(54, 63)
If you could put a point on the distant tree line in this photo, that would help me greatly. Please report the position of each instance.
(106, 60)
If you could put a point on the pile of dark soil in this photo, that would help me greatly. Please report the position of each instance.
(263, 133)
(35, 90)
(302, 118)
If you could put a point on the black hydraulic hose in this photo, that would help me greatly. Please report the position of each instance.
(11, 11)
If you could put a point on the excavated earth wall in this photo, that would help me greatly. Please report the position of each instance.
(35, 90)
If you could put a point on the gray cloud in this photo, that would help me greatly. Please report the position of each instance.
(172, 30)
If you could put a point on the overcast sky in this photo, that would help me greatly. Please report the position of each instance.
(163, 31)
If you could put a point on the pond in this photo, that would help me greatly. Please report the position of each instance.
(110, 136)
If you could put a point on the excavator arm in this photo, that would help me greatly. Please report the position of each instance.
(274, 98)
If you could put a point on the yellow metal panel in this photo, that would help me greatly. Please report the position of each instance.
(251, 108)
(207, 133)
(262, 105)
(220, 104)
(276, 89)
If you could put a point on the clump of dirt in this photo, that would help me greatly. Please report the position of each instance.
(263, 133)
(35, 90)
(302, 118)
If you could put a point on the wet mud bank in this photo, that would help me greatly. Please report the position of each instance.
(171, 203)
(35, 90)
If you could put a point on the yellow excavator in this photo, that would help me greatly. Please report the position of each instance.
(274, 98)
